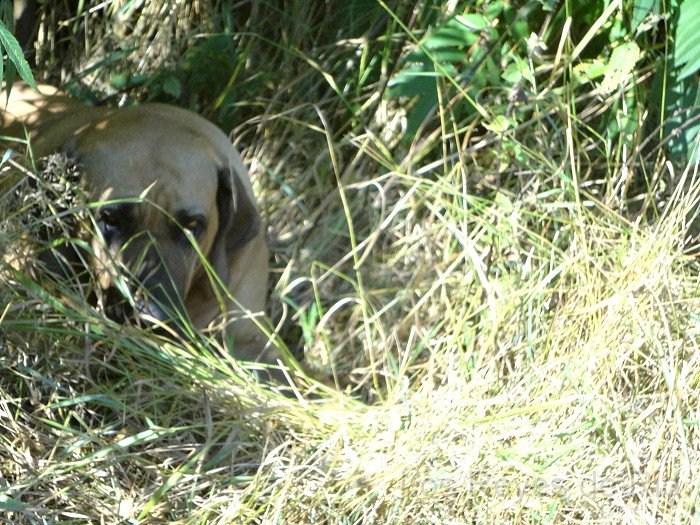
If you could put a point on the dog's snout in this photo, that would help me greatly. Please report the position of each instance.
(154, 291)
(157, 295)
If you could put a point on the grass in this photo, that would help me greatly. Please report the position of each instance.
(504, 341)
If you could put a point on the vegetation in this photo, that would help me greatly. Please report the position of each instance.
(481, 226)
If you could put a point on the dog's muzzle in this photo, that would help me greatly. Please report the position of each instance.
(154, 297)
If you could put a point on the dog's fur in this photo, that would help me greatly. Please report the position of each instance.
(191, 177)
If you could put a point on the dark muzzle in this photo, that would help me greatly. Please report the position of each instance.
(154, 300)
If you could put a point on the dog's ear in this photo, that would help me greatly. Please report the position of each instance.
(239, 220)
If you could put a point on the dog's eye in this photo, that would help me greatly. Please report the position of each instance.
(195, 224)
(110, 220)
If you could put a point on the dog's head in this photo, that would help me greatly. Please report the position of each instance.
(173, 198)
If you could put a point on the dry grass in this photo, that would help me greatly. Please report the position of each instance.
(521, 356)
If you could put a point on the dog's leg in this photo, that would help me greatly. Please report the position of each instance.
(250, 343)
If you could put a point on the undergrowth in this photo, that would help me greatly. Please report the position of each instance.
(482, 255)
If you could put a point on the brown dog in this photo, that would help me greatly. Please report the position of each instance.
(172, 180)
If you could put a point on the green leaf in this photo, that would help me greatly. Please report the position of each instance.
(440, 55)
(171, 86)
(688, 39)
(14, 54)
(618, 30)
(496, 9)
(641, 9)
(10, 504)
(8, 83)
(414, 80)
(683, 126)
(588, 70)
(516, 71)
(680, 99)
(119, 81)
(549, 6)
(499, 125)
(474, 22)
(620, 66)
(512, 74)
(452, 33)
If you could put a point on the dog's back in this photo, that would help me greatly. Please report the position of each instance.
(30, 109)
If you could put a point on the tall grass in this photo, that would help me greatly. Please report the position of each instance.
(496, 337)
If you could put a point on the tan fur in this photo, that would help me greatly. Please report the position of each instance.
(177, 159)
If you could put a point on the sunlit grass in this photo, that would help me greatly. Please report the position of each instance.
(496, 338)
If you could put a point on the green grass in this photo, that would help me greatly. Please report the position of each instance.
(504, 324)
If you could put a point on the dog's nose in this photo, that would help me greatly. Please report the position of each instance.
(115, 305)
(156, 300)
(153, 313)
(147, 308)
(156, 294)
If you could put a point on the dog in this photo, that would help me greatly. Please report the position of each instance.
(174, 203)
